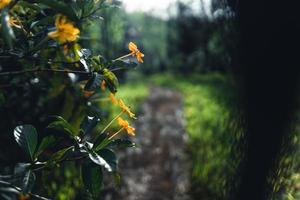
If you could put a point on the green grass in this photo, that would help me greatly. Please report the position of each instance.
(211, 124)
(207, 103)
(133, 94)
(207, 110)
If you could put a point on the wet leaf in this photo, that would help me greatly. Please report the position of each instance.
(60, 7)
(60, 124)
(110, 157)
(26, 137)
(97, 159)
(28, 182)
(88, 124)
(46, 143)
(59, 156)
(6, 29)
(94, 82)
(92, 178)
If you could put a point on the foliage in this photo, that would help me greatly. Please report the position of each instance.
(49, 80)
(200, 43)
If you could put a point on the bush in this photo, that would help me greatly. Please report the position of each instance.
(52, 99)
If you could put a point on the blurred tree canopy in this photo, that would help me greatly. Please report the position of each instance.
(184, 42)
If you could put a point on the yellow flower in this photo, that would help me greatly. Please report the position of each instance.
(103, 85)
(130, 130)
(87, 94)
(14, 22)
(4, 3)
(66, 49)
(113, 99)
(65, 30)
(132, 47)
(136, 52)
(126, 109)
(23, 197)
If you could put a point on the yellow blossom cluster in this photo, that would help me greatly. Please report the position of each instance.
(4, 3)
(136, 52)
(60, 23)
(65, 30)
(125, 109)
(124, 123)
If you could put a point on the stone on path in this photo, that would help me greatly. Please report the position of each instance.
(157, 169)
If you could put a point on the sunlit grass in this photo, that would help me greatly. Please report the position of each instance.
(207, 100)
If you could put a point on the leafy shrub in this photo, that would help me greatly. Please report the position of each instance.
(49, 80)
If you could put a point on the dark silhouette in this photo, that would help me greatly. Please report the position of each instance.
(267, 68)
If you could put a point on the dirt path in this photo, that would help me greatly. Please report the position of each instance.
(157, 169)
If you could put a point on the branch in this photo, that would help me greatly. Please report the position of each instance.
(20, 190)
(15, 73)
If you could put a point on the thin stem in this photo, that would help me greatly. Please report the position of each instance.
(108, 125)
(40, 168)
(77, 158)
(62, 62)
(115, 134)
(39, 45)
(14, 73)
(20, 190)
(117, 69)
(122, 57)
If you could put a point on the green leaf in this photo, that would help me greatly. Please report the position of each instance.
(31, 6)
(120, 143)
(46, 143)
(123, 64)
(86, 7)
(21, 168)
(94, 82)
(7, 192)
(88, 124)
(110, 157)
(60, 7)
(101, 141)
(92, 178)
(59, 156)
(28, 181)
(43, 21)
(6, 29)
(97, 159)
(23, 177)
(60, 124)
(111, 80)
(26, 137)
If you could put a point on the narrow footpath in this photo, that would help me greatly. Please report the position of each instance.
(157, 169)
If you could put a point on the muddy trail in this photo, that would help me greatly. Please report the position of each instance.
(157, 169)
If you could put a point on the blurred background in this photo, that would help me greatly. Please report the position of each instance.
(189, 131)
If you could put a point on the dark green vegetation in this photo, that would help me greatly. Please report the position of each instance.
(51, 119)
(214, 130)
